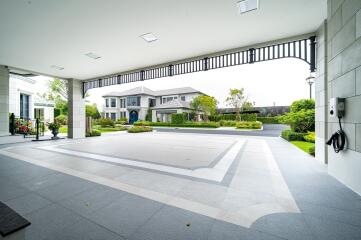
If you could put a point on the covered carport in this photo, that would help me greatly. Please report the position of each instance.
(100, 43)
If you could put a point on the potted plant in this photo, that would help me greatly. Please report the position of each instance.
(54, 128)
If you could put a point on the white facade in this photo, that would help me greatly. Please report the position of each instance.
(24, 103)
(135, 104)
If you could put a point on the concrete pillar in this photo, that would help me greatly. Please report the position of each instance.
(4, 101)
(76, 111)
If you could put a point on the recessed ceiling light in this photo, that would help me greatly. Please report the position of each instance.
(247, 5)
(57, 67)
(149, 37)
(92, 55)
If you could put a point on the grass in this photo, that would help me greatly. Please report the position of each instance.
(307, 147)
(63, 129)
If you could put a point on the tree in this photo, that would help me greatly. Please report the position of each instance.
(92, 111)
(196, 107)
(237, 100)
(208, 105)
(247, 105)
(58, 88)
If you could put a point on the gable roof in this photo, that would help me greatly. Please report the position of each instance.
(146, 91)
(176, 103)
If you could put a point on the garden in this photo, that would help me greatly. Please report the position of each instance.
(301, 119)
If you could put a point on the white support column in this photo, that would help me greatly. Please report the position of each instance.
(4, 101)
(76, 111)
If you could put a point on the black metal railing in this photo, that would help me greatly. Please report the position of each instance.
(304, 49)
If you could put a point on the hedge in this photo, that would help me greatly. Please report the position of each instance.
(106, 122)
(94, 133)
(232, 117)
(310, 137)
(228, 123)
(139, 129)
(269, 120)
(186, 124)
(178, 118)
(293, 136)
(249, 125)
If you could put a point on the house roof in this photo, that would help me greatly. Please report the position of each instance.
(176, 103)
(147, 91)
(134, 91)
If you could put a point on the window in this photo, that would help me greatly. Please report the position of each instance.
(122, 103)
(151, 102)
(106, 115)
(133, 101)
(113, 102)
(39, 113)
(107, 102)
(123, 115)
(183, 98)
(168, 99)
(24, 106)
(113, 116)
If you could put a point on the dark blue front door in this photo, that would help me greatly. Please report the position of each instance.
(133, 117)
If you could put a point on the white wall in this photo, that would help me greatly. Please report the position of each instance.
(18, 86)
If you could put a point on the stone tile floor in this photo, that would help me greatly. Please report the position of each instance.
(272, 191)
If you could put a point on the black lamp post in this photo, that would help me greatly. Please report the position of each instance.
(310, 80)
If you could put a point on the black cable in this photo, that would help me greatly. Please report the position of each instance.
(338, 139)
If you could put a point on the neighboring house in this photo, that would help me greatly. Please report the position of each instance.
(24, 102)
(134, 104)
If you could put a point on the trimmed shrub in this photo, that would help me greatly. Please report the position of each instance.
(268, 120)
(112, 129)
(232, 117)
(301, 121)
(303, 104)
(94, 133)
(228, 123)
(106, 122)
(139, 129)
(121, 121)
(62, 119)
(186, 124)
(178, 118)
(310, 137)
(249, 125)
(289, 135)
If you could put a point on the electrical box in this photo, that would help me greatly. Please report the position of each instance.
(337, 107)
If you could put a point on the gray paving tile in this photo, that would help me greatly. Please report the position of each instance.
(85, 230)
(171, 223)
(126, 215)
(332, 230)
(89, 201)
(27, 203)
(10, 190)
(48, 221)
(285, 225)
(46, 181)
(26, 173)
(227, 231)
(65, 189)
(333, 214)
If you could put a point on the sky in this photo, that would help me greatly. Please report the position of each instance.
(277, 82)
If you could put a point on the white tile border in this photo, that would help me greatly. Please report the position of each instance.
(216, 173)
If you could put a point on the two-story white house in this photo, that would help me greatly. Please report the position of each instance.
(134, 104)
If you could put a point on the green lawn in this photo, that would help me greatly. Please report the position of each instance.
(63, 129)
(307, 147)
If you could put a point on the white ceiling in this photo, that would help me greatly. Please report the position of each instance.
(35, 34)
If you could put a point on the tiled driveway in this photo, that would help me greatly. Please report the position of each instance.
(262, 188)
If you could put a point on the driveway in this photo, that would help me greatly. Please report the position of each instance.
(175, 186)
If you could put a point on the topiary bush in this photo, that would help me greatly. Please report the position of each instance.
(289, 135)
(228, 123)
(178, 118)
(106, 122)
(62, 119)
(303, 104)
(249, 125)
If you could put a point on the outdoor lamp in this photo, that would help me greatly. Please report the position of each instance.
(310, 80)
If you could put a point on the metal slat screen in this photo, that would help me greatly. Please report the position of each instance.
(301, 49)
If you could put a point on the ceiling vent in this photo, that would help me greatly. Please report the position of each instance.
(57, 67)
(149, 37)
(92, 55)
